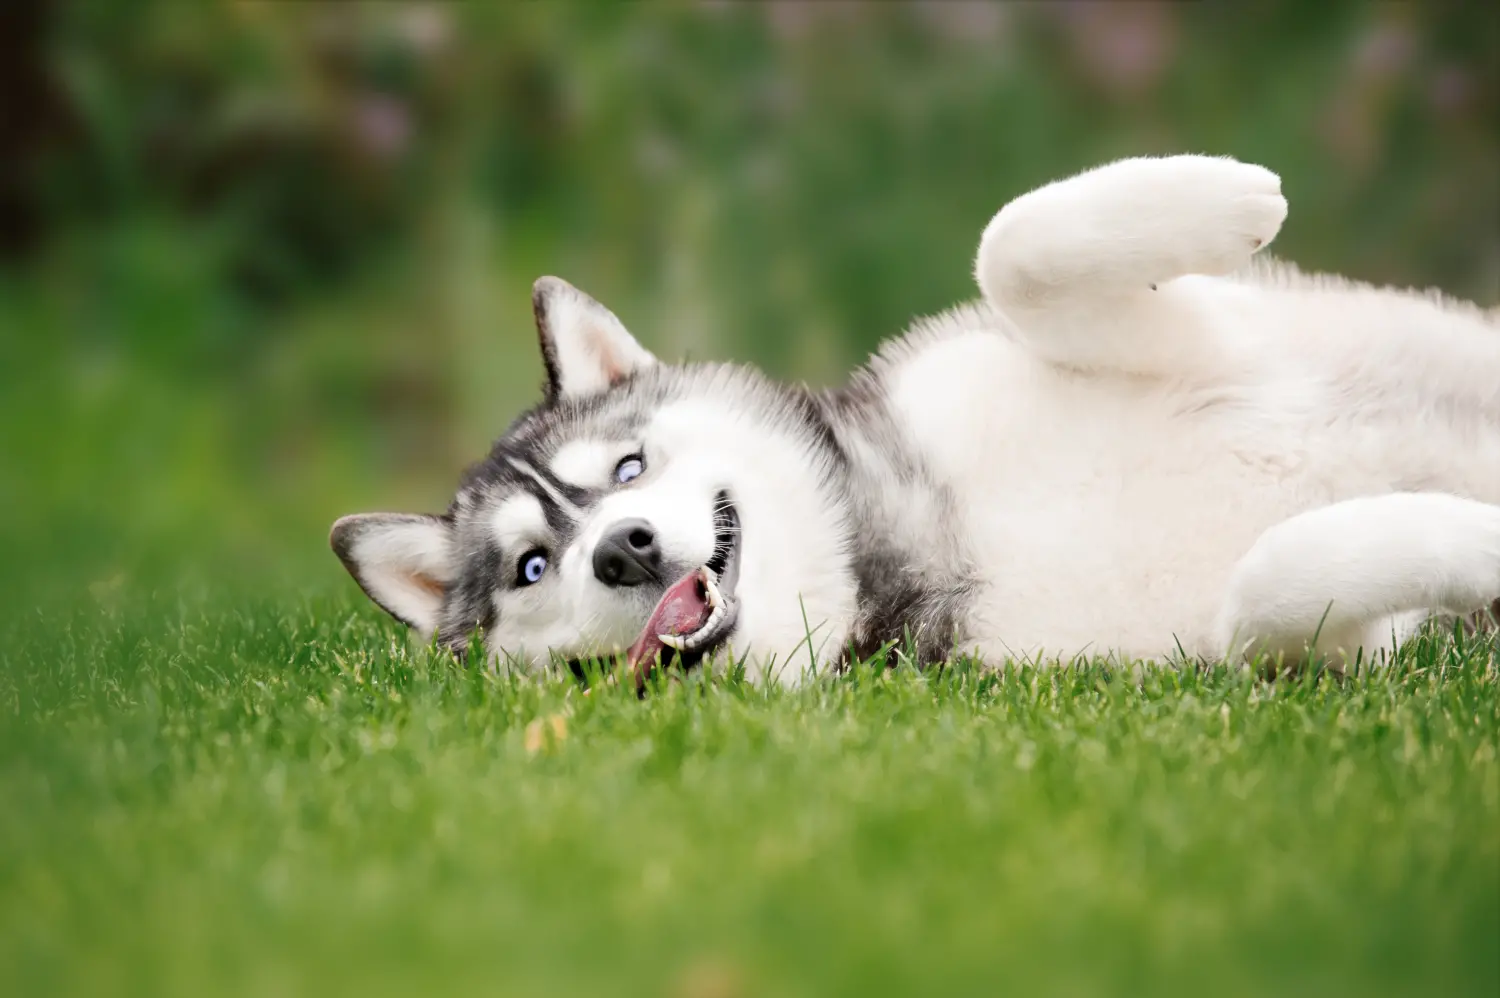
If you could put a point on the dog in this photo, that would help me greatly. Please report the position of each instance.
(1142, 442)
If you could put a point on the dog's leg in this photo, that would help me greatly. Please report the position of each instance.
(1087, 269)
(1346, 576)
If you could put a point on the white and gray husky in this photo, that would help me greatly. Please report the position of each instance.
(1138, 444)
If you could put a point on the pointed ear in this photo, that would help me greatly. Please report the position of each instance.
(402, 562)
(584, 346)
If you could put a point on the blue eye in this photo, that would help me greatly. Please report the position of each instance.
(629, 469)
(533, 564)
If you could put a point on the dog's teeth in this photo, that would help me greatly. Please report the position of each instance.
(694, 640)
(712, 592)
(673, 641)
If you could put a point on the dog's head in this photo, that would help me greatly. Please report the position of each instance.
(648, 509)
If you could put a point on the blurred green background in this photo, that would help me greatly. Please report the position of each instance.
(267, 263)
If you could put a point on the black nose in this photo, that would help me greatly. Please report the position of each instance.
(627, 554)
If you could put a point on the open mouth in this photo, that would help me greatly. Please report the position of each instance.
(697, 613)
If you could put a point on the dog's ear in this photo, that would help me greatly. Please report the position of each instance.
(402, 562)
(585, 348)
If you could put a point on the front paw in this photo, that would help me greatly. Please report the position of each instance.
(1224, 210)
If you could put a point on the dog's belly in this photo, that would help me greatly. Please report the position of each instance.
(1131, 568)
(1105, 515)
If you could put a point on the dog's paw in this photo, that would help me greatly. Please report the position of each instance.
(1242, 203)
(1327, 575)
(1131, 224)
(1471, 569)
(1211, 213)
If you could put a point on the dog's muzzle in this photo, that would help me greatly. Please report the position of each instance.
(698, 612)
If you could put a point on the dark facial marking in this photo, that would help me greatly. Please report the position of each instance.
(549, 353)
(470, 605)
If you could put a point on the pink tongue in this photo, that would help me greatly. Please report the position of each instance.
(682, 610)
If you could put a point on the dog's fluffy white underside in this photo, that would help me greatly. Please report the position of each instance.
(1169, 445)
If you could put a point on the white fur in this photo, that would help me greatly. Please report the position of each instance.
(588, 463)
(797, 597)
(519, 523)
(1118, 449)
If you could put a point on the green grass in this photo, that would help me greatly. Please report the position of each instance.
(279, 798)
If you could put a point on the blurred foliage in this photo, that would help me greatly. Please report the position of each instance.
(268, 262)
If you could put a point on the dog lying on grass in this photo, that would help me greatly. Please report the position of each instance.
(1139, 443)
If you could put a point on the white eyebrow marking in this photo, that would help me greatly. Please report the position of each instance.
(518, 520)
(545, 486)
(586, 463)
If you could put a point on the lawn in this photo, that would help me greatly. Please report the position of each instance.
(278, 797)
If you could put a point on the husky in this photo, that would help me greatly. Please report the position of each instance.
(1140, 443)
